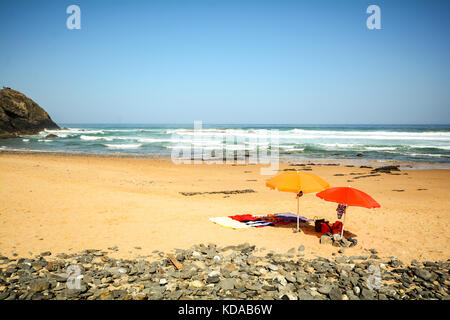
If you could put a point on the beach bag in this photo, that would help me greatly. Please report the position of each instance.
(318, 224)
(336, 227)
(325, 228)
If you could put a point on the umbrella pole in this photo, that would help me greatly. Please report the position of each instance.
(298, 219)
(343, 225)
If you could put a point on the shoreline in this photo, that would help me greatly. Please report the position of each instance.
(403, 165)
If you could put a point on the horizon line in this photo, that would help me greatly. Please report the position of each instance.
(257, 123)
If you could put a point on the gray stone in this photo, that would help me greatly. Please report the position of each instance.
(175, 295)
(272, 267)
(215, 279)
(304, 295)
(269, 288)
(335, 294)
(4, 295)
(341, 259)
(290, 278)
(280, 279)
(326, 240)
(423, 274)
(228, 284)
(367, 294)
(39, 285)
(214, 273)
(325, 289)
(252, 287)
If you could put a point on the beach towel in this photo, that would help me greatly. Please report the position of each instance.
(227, 222)
(275, 220)
(258, 223)
(340, 210)
(292, 217)
(244, 217)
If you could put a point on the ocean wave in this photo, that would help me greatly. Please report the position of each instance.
(434, 155)
(156, 140)
(431, 147)
(231, 147)
(123, 146)
(73, 131)
(291, 148)
(305, 142)
(337, 145)
(380, 148)
(94, 138)
(443, 134)
(133, 130)
(312, 134)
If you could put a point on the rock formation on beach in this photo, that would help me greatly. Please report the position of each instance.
(19, 115)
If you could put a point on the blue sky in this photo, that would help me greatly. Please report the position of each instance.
(230, 61)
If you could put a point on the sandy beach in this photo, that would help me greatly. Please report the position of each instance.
(71, 203)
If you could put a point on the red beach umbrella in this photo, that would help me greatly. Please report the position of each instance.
(348, 196)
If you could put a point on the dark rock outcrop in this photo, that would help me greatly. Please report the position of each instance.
(19, 115)
(386, 169)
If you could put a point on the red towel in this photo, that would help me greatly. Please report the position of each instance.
(244, 217)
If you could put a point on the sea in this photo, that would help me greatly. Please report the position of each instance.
(418, 143)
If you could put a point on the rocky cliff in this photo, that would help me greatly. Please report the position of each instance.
(19, 115)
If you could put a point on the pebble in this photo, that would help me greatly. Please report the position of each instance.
(423, 274)
(335, 294)
(272, 267)
(326, 289)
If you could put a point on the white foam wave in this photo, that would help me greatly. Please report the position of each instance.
(426, 155)
(376, 133)
(123, 146)
(94, 138)
(313, 134)
(338, 145)
(431, 147)
(380, 148)
(73, 131)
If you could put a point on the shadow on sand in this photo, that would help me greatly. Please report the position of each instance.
(308, 229)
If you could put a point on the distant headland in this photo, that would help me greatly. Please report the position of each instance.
(19, 115)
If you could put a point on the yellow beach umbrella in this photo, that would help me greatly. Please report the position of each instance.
(296, 182)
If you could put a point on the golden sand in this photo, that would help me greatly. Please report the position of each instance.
(71, 203)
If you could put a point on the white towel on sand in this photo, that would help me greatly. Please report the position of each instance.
(227, 222)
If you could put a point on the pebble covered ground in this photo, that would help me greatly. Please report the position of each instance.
(210, 272)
